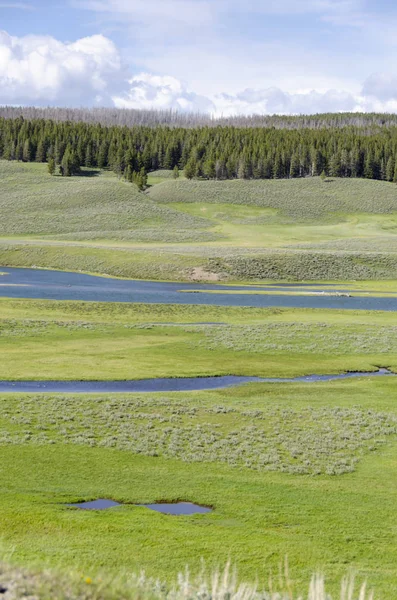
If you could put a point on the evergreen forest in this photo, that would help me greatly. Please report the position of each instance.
(210, 152)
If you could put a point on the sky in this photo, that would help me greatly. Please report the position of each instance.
(223, 57)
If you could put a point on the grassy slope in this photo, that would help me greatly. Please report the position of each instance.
(240, 230)
(99, 207)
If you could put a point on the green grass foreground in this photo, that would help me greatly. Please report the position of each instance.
(333, 522)
(301, 229)
(297, 470)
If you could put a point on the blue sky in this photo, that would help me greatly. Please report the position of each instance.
(219, 56)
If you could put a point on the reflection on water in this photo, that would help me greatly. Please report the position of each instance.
(95, 505)
(178, 508)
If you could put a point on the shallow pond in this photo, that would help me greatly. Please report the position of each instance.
(100, 504)
(60, 285)
(178, 508)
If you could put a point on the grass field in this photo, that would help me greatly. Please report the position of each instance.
(63, 340)
(88, 447)
(231, 230)
(307, 471)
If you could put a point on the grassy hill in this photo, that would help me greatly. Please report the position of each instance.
(302, 229)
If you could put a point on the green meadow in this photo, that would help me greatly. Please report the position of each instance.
(306, 471)
(71, 340)
(301, 470)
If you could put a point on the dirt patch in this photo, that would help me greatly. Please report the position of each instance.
(200, 274)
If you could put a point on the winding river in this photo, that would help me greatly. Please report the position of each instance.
(178, 384)
(60, 285)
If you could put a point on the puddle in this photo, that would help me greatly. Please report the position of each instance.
(95, 504)
(181, 384)
(178, 508)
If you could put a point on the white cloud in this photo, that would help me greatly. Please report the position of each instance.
(153, 91)
(277, 101)
(42, 70)
(166, 92)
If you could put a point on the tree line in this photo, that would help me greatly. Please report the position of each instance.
(222, 152)
(130, 117)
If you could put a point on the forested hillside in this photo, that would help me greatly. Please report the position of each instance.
(222, 152)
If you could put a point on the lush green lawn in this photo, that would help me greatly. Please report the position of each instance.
(232, 230)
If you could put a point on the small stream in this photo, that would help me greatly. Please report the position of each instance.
(182, 384)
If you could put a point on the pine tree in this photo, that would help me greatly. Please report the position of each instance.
(344, 163)
(369, 165)
(191, 168)
(220, 169)
(294, 166)
(88, 161)
(41, 152)
(143, 176)
(66, 164)
(209, 169)
(102, 160)
(277, 167)
(335, 165)
(128, 173)
(19, 152)
(27, 151)
(316, 163)
(175, 172)
(51, 166)
(395, 173)
(9, 151)
(241, 170)
(390, 169)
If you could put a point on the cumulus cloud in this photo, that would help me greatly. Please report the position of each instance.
(277, 101)
(42, 70)
(153, 91)
(145, 91)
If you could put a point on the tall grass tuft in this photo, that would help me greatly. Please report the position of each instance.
(218, 585)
